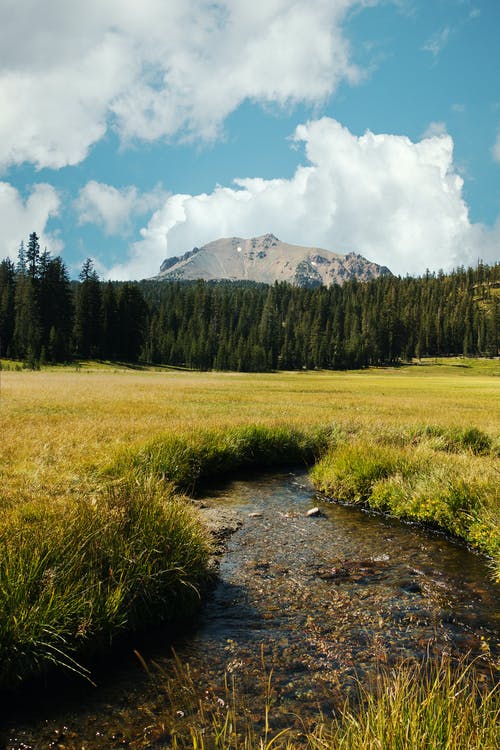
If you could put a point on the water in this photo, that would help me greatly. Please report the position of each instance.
(317, 600)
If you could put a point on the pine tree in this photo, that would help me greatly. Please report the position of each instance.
(26, 340)
(27, 334)
(55, 303)
(109, 340)
(88, 323)
(7, 310)
(132, 322)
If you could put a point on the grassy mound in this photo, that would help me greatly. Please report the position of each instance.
(186, 461)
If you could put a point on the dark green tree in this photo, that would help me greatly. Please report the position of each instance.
(88, 320)
(132, 322)
(7, 309)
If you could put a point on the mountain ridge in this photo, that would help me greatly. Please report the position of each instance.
(267, 259)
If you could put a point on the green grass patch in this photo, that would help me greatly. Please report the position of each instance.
(72, 578)
(188, 460)
(458, 493)
(439, 708)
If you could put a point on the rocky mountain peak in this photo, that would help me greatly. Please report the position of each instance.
(267, 259)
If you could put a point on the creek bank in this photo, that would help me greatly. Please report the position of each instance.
(274, 607)
(453, 492)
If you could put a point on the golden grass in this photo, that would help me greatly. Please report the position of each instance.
(58, 425)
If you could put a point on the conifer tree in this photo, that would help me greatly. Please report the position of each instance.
(7, 310)
(88, 322)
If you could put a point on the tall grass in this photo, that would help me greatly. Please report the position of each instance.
(413, 707)
(71, 578)
(186, 461)
(436, 708)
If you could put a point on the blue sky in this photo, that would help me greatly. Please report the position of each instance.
(130, 131)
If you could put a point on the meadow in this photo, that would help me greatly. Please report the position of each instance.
(97, 536)
(61, 425)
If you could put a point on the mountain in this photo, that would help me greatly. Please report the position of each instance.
(267, 259)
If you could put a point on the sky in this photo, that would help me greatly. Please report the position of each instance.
(134, 131)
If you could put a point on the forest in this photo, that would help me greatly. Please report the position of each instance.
(243, 326)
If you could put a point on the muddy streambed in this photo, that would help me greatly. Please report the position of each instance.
(317, 600)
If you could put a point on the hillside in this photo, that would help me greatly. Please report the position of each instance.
(267, 259)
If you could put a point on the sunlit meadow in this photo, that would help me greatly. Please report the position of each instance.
(60, 426)
(93, 459)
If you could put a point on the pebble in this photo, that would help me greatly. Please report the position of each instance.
(313, 512)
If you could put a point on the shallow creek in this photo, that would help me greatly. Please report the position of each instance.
(317, 600)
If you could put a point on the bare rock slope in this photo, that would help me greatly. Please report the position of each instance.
(267, 259)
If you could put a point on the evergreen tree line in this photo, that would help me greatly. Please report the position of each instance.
(243, 326)
(255, 327)
(44, 317)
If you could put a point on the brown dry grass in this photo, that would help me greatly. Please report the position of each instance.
(57, 426)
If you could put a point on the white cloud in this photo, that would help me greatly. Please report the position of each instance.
(112, 208)
(19, 217)
(396, 202)
(438, 41)
(435, 129)
(495, 150)
(70, 71)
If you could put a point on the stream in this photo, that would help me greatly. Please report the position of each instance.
(317, 601)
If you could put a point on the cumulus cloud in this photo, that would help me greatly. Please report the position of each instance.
(112, 208)
(396, 202)
(19, 217)
(435, 128)
(70, 71)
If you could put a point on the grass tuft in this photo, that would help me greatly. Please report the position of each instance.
(438, 708)
(73, 577)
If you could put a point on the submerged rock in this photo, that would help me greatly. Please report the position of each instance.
(313, 513)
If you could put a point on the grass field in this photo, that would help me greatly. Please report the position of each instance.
(92, 460)
(95, 538)
(59, 426)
